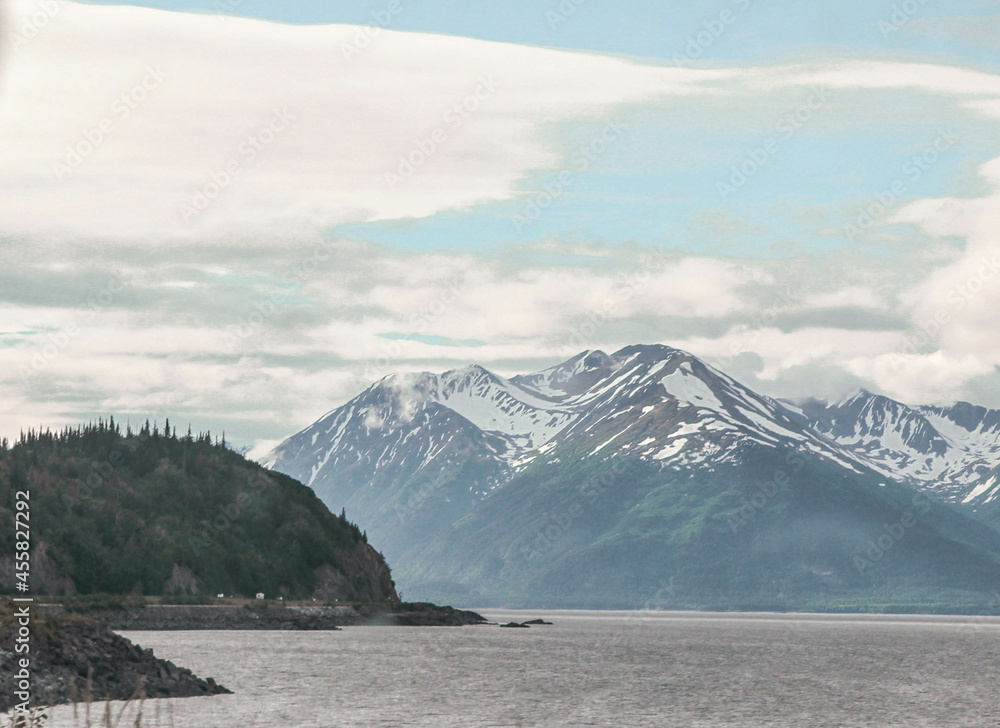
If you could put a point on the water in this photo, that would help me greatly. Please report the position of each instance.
(595, 669)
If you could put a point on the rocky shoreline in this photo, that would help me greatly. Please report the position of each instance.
(431, 615)
(68, 653)
(73, 646)
(271, 616)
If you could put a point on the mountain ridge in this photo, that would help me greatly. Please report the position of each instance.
(946, 450)
(447, 471)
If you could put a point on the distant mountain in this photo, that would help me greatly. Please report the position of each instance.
(153, 513)
(950, 452)
(643, 478)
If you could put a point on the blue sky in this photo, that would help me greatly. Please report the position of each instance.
(763, 30)
(655, 185)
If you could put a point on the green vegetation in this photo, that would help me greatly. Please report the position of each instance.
(154, 513)
(782, 531)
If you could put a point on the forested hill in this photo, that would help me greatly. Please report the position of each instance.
(153, 513)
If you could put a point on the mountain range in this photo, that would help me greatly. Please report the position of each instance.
(950, 452)
(649, 478)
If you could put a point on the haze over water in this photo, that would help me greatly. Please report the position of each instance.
(596, 669)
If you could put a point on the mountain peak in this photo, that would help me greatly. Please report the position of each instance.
(470, 369)
(571, 377)
(587, 359)
(969, 417)
(658, 351)
(855, 395)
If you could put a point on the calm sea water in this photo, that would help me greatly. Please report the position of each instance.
(595, 669)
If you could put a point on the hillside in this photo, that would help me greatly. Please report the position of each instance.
(773, 531)
(640, 478)
(152, 513)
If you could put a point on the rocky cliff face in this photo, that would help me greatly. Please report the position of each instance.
(363, 577)
(46, 575)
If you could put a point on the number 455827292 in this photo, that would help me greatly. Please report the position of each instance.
(22, 538)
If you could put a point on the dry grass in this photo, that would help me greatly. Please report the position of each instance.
(84, 704)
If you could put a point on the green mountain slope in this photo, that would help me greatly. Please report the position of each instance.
(153, 513)
(781, 530)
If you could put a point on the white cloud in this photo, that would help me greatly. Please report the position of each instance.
(197, 87)
(262, 449)
(881, 74)
(853, 296)
(157, 357)
(782, 350)
(957, 304)
(920, 378)
(181, 94)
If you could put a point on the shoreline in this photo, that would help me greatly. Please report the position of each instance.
(76, 648)
(758, 616)
(262, 615)
(74, 659)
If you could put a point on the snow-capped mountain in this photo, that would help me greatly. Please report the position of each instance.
(951, 452)
(420, 449)
(654, 403)
(650, 402)
(650, 457)
(409, 421)
(667, 406)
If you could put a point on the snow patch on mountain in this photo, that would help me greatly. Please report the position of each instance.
(983, 487)
(671, 449)
(684, 385)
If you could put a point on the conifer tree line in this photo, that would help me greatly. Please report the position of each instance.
(120, 509)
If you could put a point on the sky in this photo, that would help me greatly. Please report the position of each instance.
(241, 213)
